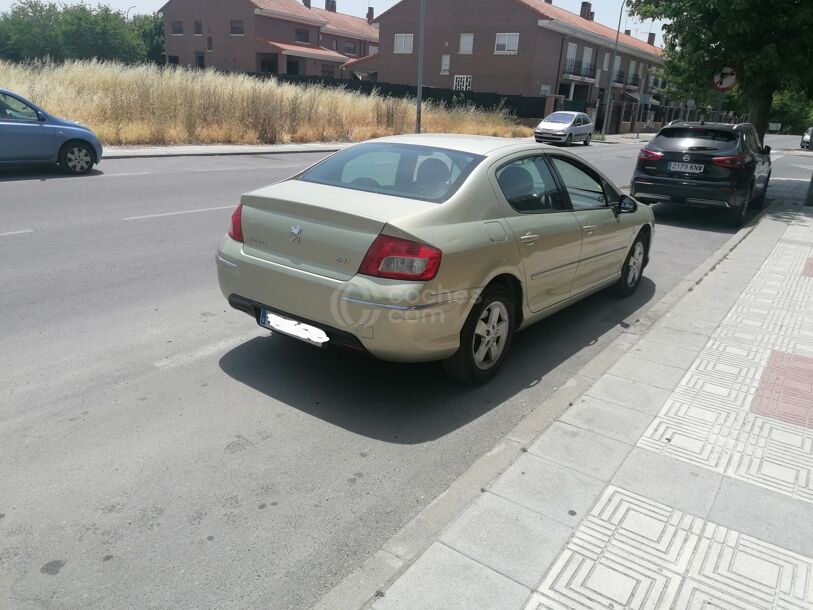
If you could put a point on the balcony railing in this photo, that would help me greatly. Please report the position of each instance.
(576, 67)
(619, 77)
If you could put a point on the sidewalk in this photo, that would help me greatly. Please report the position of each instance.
(682, 478)
(190, 150)
(625, 138)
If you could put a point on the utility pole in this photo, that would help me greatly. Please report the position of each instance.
(421, 32)
(611, 76)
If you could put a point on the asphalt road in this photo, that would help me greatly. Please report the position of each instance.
(159, 450)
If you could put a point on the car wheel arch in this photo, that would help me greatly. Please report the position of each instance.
(646, 232)
(79, 141)
(513, 284)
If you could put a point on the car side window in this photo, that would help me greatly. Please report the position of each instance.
(585, 189)
(578, 122)
(529, 187)
(12, 108)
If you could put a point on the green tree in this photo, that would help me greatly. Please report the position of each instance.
(30, 29)
(765, 41)
(150, 28)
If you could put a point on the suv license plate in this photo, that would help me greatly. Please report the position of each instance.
(292, 328)
(689, 168)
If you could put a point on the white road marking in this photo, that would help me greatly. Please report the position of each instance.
(222, 207)
(124, 174)
(7, 234)
(803, 166)
(209, 350)
(792, 179)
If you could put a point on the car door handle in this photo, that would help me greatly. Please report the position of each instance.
(589, 228)
(528, 238)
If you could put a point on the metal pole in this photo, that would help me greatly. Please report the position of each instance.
(611, 76)
(421, 31)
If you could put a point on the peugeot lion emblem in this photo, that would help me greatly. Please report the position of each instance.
(296, 234)
(686, 158)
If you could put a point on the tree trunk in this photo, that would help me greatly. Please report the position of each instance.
(759, 108)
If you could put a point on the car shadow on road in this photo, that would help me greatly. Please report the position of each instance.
(700, 219)
(40, 174)
(417, 403)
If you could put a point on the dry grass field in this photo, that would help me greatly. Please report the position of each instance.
(147, 104)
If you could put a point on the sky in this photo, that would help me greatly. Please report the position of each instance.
(606, 11)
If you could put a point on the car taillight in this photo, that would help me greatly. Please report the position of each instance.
(649, 155)
(730, 162)
(236, 228)
(400, 259)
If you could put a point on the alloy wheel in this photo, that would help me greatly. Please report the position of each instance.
(78, 159)
(490, 335)
(636, 264)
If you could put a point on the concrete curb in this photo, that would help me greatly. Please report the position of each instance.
(217, 150)
(361, 588)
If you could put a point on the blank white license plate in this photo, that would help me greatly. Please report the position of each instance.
(292, 328)
(689, 168)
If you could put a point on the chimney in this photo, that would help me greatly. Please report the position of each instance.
(370, 14)
(627, 32)
(307, 3)
(585, 12)
(330, 5)
(548, 1)
(651, 39)
(592, 16)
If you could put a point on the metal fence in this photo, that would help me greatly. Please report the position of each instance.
(518, 105)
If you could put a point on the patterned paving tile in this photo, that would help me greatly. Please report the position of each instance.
(808, 268)
(634, 553)
(785, 391)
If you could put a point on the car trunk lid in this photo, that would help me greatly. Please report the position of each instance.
(689, 153)
(320, 229)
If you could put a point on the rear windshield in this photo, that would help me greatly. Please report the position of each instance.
(559, 117)
(403, 170)
(695, 138)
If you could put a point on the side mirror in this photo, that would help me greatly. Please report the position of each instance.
(766, 150)
(625, 205)
(41, 115)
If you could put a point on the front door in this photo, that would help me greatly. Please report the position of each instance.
(24, 137)
(605, 237)
(547, 233)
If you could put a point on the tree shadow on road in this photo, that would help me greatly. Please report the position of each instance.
(416, 403)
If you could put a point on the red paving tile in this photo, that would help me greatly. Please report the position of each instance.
(808, 269)
(785, 389)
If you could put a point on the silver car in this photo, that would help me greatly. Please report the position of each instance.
(565, 127)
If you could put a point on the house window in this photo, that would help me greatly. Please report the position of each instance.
(172, 60)
(350, 48)
(462, 82)
(373, 49)
(209, 44)
(328, 71)
(177, 28)
(403, 44)
(200, 60)
(466, 46)
(632, 70)
(506, 44)
(198, 28)
(587, 60)
(606, 60)
(237, 27)
(335, 45)
(302, 35)
(445, 60)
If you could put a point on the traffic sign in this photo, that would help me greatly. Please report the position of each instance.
(725, 79)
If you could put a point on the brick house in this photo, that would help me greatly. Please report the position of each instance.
(512, 47)
(271, 36)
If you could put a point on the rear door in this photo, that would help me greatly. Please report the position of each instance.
(762, 161)
(605, 237)
(687, 153)
(23, 136)
(547, 232)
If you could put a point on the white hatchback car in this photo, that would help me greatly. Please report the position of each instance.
(565, 127)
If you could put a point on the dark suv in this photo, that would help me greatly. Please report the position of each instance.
(704, 164)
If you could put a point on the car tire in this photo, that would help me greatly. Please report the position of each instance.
(758, 202)
(76, 158)
(633, 268)
(736, 216)
(569, 139)
(587, 139)
(485, 338)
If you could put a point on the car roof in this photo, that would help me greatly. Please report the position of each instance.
(720, 126)
(476, 145)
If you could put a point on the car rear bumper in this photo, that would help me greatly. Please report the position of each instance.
(389, 319)
(650, 189)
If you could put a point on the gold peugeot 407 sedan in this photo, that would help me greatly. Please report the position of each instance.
(432, 247)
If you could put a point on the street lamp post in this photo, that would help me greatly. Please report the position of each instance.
(127, 14)
(611, 76)
(421, 31)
